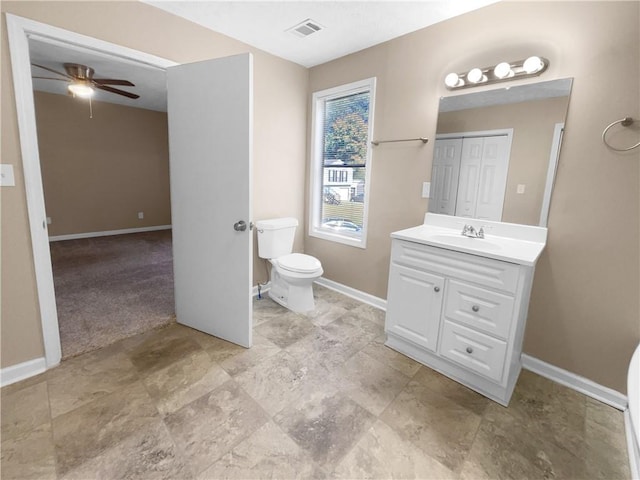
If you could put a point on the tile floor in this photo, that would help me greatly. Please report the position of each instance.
(318, 396)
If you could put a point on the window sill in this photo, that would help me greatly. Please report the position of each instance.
(358, 242)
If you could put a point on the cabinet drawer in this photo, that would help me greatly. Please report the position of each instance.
(480, 309)
(472, 268)
(478, 352)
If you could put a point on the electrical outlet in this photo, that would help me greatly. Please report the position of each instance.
(140, 215)
(6, 175)
(520, 188)
(426, 189)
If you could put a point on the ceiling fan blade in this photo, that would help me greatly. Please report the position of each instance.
(116, 91)
(113, 81)
(51, 70)
(51, 78)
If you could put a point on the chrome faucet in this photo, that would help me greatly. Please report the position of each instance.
(470, 231)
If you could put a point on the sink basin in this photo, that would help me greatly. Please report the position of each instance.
(521, 244)
(462, 241)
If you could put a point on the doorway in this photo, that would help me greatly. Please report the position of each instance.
(20, 30)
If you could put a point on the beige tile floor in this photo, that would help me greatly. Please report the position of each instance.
(318, 396)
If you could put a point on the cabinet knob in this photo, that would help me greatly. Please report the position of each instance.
(436, 289)
(475, 308)
(469, 350)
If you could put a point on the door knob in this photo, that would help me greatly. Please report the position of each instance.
(436, 289)
(240, 226)
(475, 308)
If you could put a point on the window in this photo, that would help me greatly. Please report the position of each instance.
(341, 148)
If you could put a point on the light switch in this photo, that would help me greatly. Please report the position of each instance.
(140, 215)
(48, 220)
(426, 189)
(520, 188)
(6, 175)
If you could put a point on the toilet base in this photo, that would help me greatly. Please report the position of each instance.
(297, 298)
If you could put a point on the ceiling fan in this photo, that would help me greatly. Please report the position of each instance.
(82, 83)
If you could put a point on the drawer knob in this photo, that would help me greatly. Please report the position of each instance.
(475, 308)
(436, 289)
(469, 350)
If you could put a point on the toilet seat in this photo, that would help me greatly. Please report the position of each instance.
(299, 263)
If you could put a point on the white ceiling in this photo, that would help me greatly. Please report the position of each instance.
(150, 83)
(348, 26)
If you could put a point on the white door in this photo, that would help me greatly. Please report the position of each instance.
(493, 178)
(210, 110)
(444, 176)
(470, 162)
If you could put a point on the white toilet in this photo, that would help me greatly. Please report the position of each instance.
(292, 274)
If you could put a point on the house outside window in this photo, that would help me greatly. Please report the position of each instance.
(341, 149)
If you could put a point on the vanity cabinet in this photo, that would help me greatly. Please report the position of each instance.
(461, 314)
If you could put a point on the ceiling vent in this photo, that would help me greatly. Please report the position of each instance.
(306, 28)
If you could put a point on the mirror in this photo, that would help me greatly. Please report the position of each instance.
(496, 152)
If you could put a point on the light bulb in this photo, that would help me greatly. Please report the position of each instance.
(533, 64)
(453, 80)
(503, 70)
(475, 76)
(81, 89)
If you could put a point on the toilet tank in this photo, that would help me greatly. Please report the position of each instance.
(275, 236)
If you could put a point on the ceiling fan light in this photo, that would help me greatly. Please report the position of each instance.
(81, 90)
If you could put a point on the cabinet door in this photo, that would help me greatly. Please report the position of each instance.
(414, 303)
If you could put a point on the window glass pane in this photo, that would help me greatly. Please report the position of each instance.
(345, 132)
(343, 199)
(345, 129)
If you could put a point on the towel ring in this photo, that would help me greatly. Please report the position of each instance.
(625, 122)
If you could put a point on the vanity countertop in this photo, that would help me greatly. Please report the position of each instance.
(521, 244)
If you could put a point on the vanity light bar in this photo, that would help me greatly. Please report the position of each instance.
(502, 72)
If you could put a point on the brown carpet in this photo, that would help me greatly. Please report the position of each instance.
(109, 288)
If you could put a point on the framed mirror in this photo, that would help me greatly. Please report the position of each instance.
(496, 152)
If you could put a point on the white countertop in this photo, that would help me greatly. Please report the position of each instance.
(521, 244)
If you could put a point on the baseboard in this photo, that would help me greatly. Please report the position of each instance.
(21, 371)
(107, 233)
(576, 382)
(353, 293)
(633, 447)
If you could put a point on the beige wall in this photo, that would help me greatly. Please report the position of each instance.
(533, 125)
(584, 315)
(280, 95)
(99, 173)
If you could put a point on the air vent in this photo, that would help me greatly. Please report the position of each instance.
(306, 28)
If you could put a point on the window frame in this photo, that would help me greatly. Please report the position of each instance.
(316, 161)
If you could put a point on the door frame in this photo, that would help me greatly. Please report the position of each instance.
(19, 30)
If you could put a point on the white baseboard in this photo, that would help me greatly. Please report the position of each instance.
(107, 233)
(353, 293)
(633, 447)
(576, 382)
(21, 371)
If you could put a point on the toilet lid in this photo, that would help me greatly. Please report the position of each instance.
(299, 262)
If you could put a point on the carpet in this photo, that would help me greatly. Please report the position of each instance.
(109, 288)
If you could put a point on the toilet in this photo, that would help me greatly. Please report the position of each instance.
(292, 274)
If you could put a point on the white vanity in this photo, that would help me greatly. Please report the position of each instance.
(459, 304)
